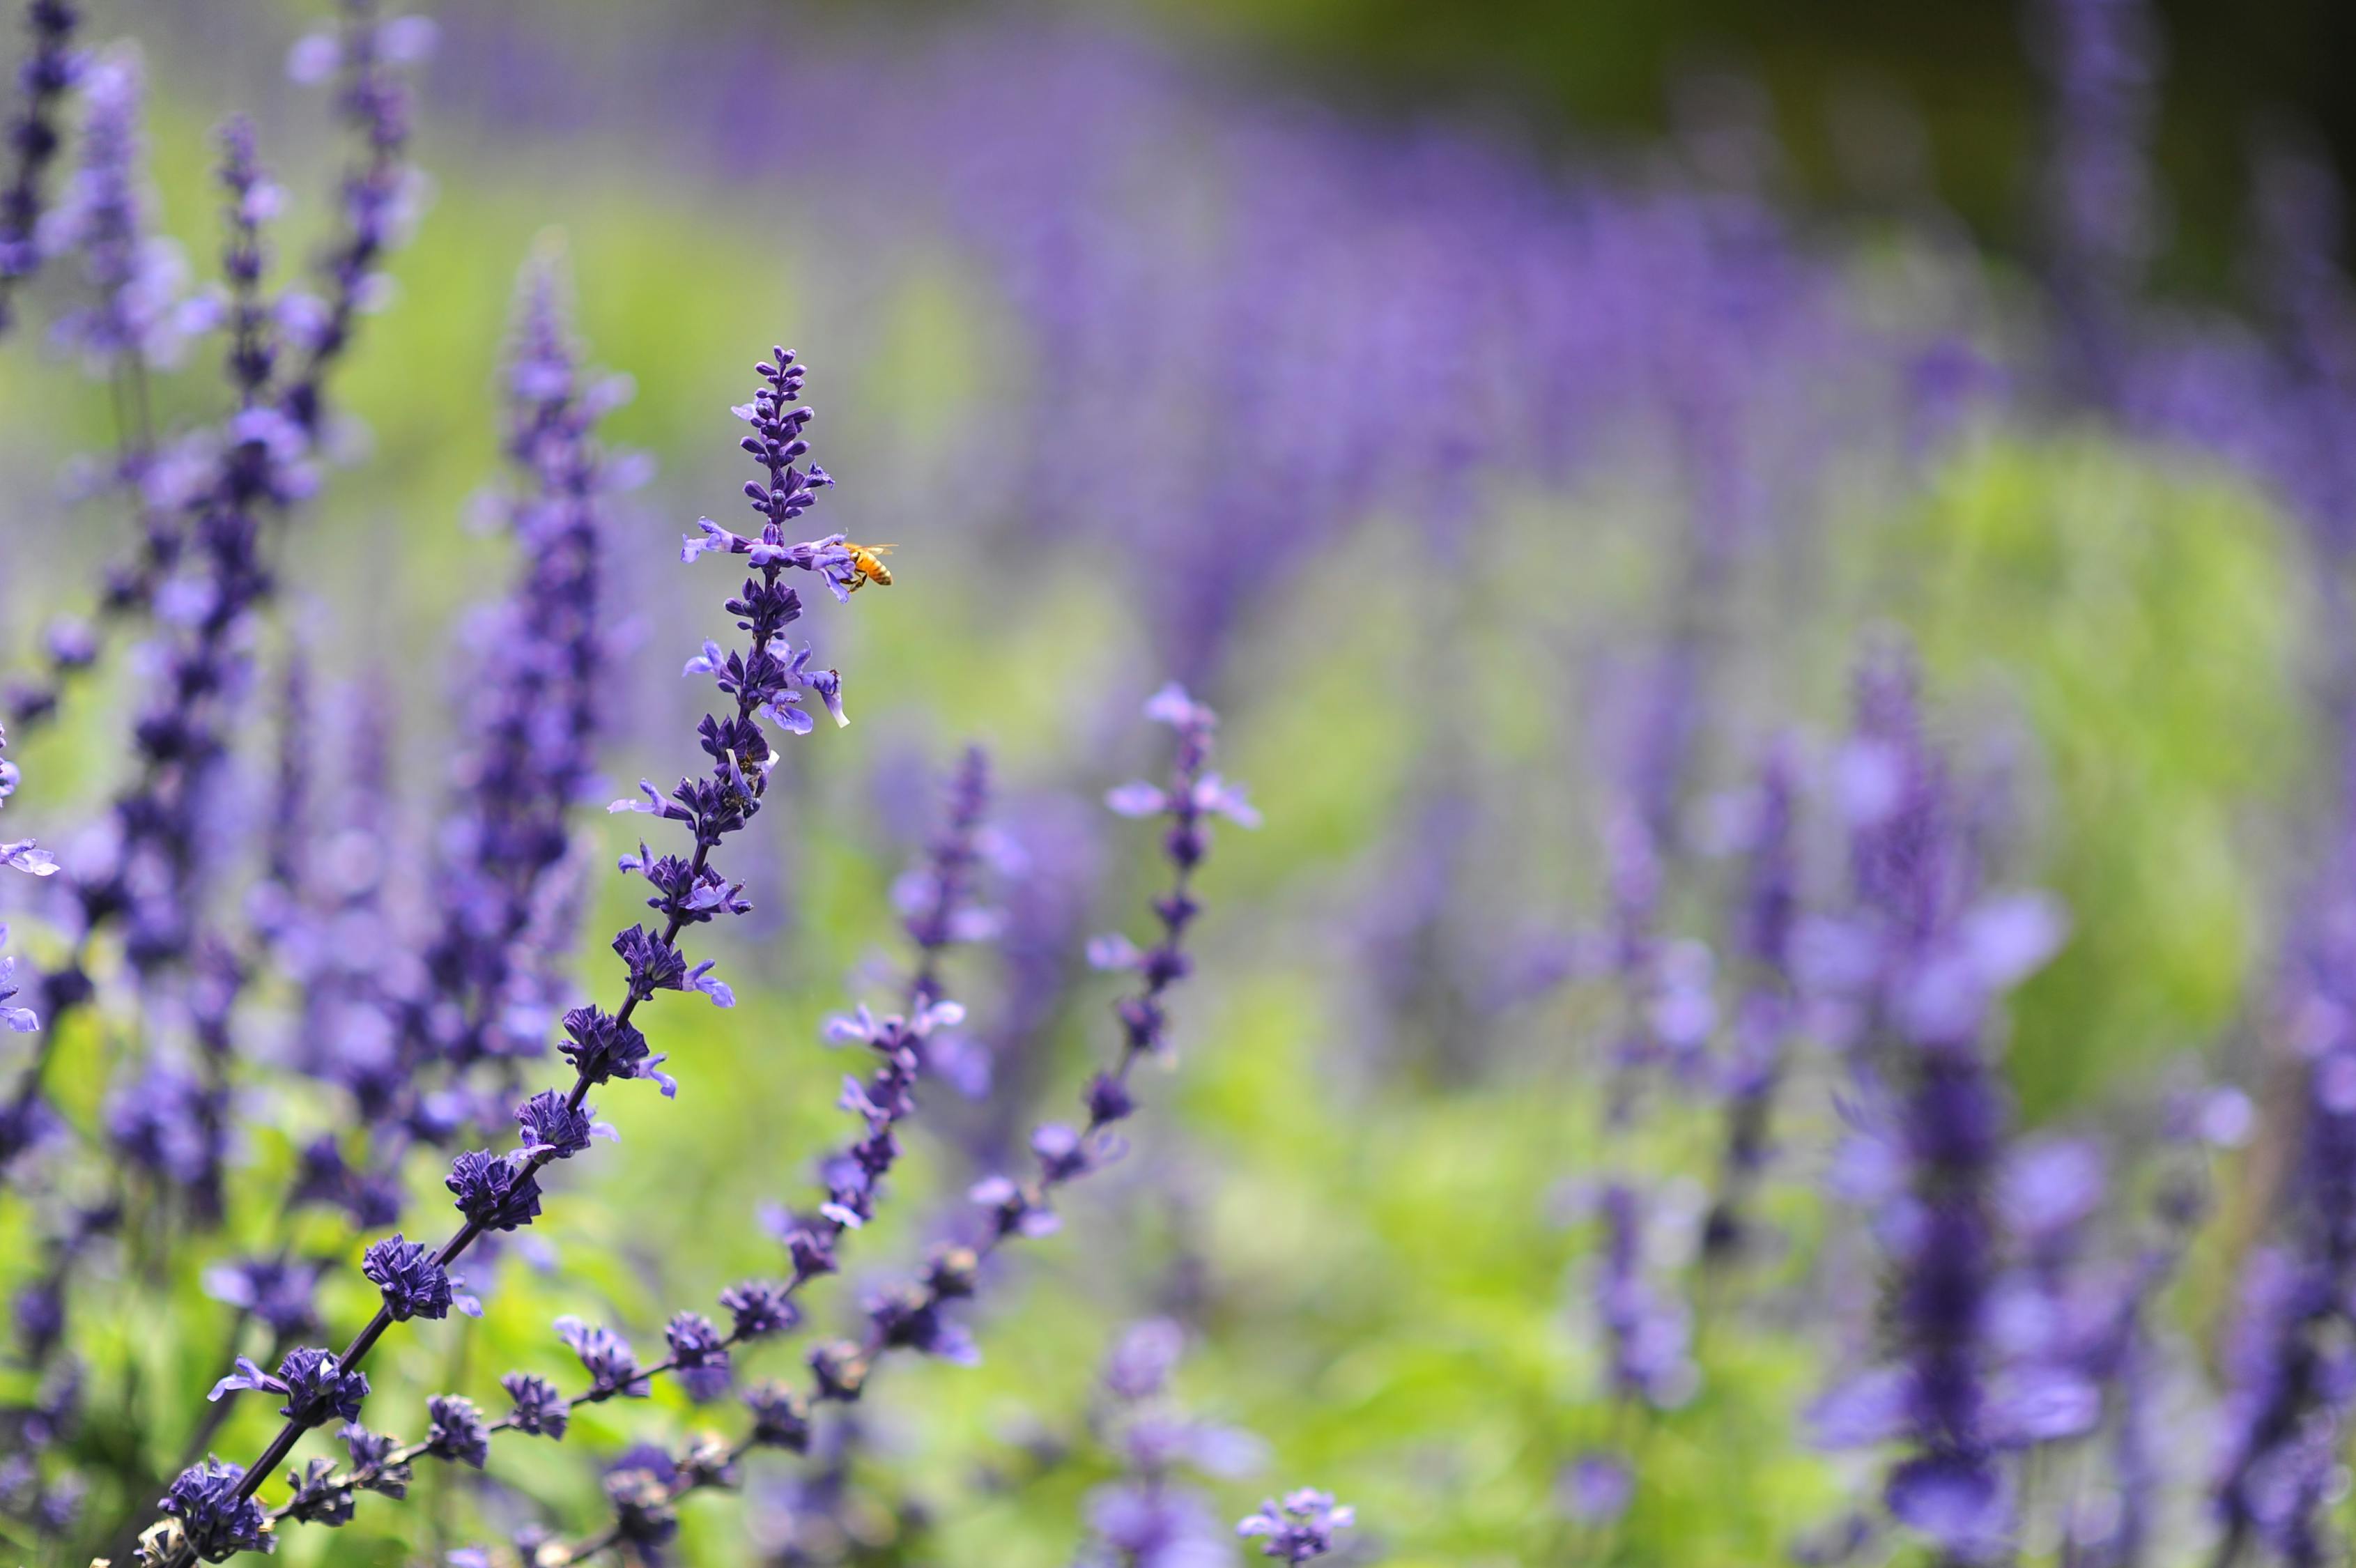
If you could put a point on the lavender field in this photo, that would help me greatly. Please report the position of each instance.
(1365, 833)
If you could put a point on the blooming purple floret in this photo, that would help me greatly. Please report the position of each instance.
(540, 1410)
(759, 1308)
(612, 1365)
(557, 1128)
(456, 1431)
(700, 1354)
(413, 1281)
(780, 1417)
(317, 1495)
(215, 1519)
(315, 1386)
(602, 1047)
(495, 1192)
(1300, 1527)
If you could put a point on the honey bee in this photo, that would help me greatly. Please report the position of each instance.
(866, 566)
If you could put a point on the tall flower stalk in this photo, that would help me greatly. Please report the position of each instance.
(214, 1514)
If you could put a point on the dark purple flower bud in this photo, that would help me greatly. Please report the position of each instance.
(456, 1431)
(840, 1369)
(313, 1383)
(1107, 1100)
(552, 1127)
(601, 1047)
(1061, 1150)
(539, 1411)
(216, 1521)
(1300, 1527)
(780, 1417)
(495, 1192)
(645, 1514)
(413, 1281)
(909, 1317)
(316, 1498)
(950, 1272)
(759, 1308)
(700, 1353)
(373, 1468)
(654, 965)
(607, 1356)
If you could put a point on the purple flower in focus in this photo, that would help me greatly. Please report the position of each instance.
(557, 1130)
(414, 1282)
(214, 1518)
(495, 1192)
(315, 1386)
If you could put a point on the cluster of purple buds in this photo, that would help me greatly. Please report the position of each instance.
(313, 1383)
